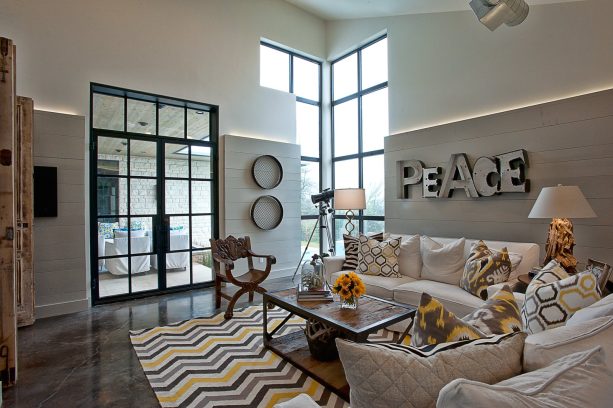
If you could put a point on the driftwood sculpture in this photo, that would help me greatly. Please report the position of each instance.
(560, 244)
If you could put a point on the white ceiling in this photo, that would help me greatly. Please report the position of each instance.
(347, 9)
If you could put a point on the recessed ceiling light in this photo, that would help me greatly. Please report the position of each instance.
(199, 112)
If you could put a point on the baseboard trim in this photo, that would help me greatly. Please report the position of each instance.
(57, 309)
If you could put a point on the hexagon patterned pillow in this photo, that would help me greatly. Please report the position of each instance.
(379, 258)
(553, 297)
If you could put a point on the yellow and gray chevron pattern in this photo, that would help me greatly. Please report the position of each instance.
(213, 362)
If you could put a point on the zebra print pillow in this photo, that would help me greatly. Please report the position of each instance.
(352, 245)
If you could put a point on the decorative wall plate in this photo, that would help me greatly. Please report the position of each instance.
(267, 212)
(267, 171)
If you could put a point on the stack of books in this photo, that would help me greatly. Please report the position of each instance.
(305, 294)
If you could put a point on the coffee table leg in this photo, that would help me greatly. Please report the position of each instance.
(406, 332)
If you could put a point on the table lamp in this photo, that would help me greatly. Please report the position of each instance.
(349, 199)
(561, 203)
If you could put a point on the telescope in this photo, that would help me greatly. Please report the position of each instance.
(324, 196)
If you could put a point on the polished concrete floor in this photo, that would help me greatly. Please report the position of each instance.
(86, 359)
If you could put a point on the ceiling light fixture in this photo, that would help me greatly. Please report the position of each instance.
(493, 13)
(143, 123)
(199, 112)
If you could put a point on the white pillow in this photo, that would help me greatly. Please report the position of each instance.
(542, 348)
(410, 257)
(602, 308)
(579, 380)
(124, 233)
(442, 263)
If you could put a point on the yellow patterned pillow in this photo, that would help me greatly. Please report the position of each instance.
(550, 302)
(485, 267)
(434, 325)
(499, 315)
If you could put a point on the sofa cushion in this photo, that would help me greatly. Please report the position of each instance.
(351, 250)
(498, 315)
(410, 256)
(544, 347)
(455, 299)
(391, 375)
(378, 258)
(485, 267)
(442, 262)
(602, 308)
(551, 301)
(578, 380)
(378, 286)
(435, 325)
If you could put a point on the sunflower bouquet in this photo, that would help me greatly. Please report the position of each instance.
(349, 287)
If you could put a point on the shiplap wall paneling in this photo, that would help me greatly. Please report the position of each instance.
(240, 191)
(59, 256)
(568, 142)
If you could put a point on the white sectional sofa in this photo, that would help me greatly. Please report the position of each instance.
(410, 286)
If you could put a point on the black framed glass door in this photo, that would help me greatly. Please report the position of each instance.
(153, 194)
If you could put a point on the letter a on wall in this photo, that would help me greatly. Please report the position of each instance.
(458, 167)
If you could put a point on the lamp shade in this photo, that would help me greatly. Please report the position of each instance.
(561, 202)
(349, 199)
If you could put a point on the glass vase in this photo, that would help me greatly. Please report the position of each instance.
(349, 303)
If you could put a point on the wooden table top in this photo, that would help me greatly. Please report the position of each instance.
(371, 315)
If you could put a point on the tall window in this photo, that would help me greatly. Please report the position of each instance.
(291, 72)
(359, 124)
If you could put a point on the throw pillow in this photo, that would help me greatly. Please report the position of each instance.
(105, 229)
(499, 315)
(409, 261)
(434, 325)
(578, 380)
(552, 297)
(379, 258)
(483, 268)
(442, 263)
(391, 375)
(351, 244)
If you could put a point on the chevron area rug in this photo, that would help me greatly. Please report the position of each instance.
(213, 362)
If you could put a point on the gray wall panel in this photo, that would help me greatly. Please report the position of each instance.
(240, 191)
(568, 142)
(59, 243)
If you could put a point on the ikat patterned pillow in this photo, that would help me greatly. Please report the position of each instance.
(434, 325)
(499, 315)
(485, 267)
(379, 258)
(553, 297)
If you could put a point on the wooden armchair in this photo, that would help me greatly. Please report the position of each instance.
(225, 253)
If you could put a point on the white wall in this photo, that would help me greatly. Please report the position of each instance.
(445, 67)
(203, 50)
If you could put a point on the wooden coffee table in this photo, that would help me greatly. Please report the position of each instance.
(371, 315)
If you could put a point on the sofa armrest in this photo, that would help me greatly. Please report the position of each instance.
(333, 264)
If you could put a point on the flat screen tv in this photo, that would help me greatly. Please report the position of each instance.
(45, 191)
